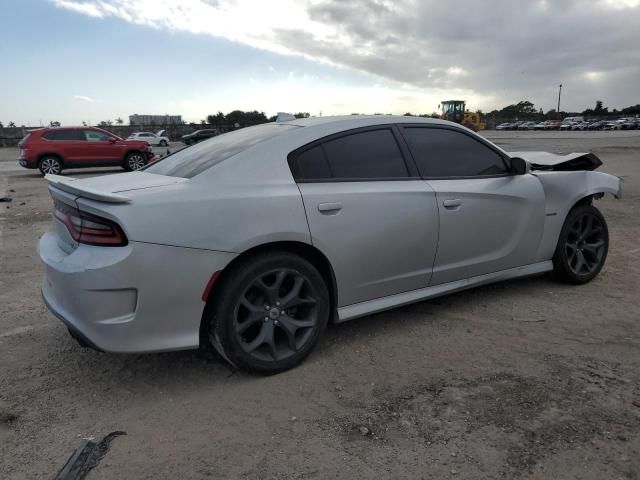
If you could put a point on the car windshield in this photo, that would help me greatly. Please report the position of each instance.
(191, 161)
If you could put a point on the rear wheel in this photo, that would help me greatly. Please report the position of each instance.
(134, 161)
(583, 245)
(50, 165)
(163, 143)
(269, 313)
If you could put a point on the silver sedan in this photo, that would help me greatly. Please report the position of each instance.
(254, 240)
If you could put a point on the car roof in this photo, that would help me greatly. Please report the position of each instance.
(354, 121)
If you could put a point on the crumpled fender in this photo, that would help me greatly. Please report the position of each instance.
(563, 190)
(559, 163)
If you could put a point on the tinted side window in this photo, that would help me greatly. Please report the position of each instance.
(68, 135)
(447, 153)
(370, 154)
(311, 165)
(95, 136)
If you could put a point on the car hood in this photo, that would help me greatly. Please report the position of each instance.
(560, 163)
(112, 188)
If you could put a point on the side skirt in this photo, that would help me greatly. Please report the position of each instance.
(385, 303)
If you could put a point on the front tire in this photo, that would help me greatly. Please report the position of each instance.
(582, 247)
(163, 143)
(50, 164)
(134, 161)
(269, 313)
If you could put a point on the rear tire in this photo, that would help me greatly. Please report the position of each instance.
(134, 161)
(582, 247)
(50, 164)
(163, 143)
(269, 313)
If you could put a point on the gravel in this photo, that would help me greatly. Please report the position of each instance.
(524, 379)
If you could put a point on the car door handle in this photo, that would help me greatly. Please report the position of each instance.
(455, 203)
(329, 207)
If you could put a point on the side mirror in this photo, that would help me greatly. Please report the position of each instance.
(519, 166)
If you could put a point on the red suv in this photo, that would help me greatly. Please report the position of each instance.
(53, 149)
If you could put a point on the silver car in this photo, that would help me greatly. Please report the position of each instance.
(254, 240)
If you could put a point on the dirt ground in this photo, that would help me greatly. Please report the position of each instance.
(524, 379)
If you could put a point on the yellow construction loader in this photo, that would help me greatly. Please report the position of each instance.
(454, 111)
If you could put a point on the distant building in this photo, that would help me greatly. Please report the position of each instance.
(136, 119)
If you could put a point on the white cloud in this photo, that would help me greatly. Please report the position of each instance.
(501, 49)
(88, 8)
(84, 98)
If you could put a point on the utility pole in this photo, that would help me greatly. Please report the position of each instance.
(559, 93)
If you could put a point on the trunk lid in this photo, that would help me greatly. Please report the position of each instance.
(111, 188)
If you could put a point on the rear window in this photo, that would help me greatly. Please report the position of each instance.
(24, 140)
(191, 161)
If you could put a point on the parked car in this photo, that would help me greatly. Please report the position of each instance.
(269, 232)
(598, 125)
(552, 125)
(199, 135)
(503, 126)
(611, 126)
(151, 138)
(580, 126)
(566, 125)
(629, 123)
(52, 150)
(527, 126)
(540, 126)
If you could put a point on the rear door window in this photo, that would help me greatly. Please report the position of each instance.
(312, 165)
(441, 152)
(365, 155)
(68, 135)
(372, 154)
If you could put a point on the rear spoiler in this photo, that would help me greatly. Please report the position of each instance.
(66, 184)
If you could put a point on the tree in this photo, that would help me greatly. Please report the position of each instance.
(633, 110)
(598, 108)
(54, 123)
(84, 124)
(301, 115)
(216, 119)
(203, 122)
(107, 123)
(408, 114)
(245, 118)
(1, 125)
(12, 125)
(119, 121)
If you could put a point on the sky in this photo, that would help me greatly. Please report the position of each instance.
(95, 60)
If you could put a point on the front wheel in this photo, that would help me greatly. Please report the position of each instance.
(269, 313)
(163, 143)
(583, 245)
(134, 161)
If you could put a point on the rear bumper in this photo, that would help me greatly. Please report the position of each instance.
(73, 331)
(132, 299)
(24, 163)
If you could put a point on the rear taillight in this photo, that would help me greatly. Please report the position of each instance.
(90, 229)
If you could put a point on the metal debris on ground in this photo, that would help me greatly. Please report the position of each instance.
(86, 456)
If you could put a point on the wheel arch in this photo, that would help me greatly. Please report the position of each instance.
(310, 253)
(130, 151)
(50, 154)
